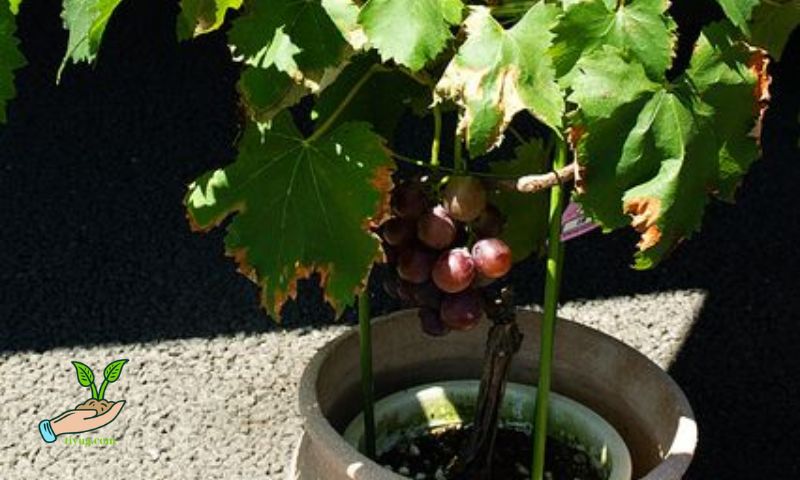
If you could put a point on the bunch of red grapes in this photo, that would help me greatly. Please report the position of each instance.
(442, 253)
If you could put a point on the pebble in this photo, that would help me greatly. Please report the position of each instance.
(413, 450)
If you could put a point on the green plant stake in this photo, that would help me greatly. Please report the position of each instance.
(367, 382)
(555, 260)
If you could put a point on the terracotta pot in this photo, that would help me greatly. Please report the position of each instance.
(630, 392)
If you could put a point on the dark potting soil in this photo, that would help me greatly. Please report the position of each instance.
(426, 456)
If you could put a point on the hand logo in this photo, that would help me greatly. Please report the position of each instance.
(91, 414)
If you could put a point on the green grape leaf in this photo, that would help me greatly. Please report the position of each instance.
(86, 21)
(266, 91)
(772, 23)
(640, 27)
(14, 5)
(272, 80)
(203, 16)
(10, 57)
(734, 81)
(344, 14)
(497, 73)
(299, 206)
(379, 96)
(525, 229)
(410, 32)
(598, 91)
(85, 374)
(738, 11)
(651, 155)
(114, 369)
(273, 30)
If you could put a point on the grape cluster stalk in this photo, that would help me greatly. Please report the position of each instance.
(444, 256)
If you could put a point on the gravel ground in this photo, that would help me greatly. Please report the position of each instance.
(226, 407)
(96, 262)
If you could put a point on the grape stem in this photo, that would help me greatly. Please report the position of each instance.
(331, 120)
(538, 182)
(437, 136)
(525, 184)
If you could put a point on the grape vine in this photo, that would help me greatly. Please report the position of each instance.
(648, 151)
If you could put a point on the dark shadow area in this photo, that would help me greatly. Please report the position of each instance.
(95, 246)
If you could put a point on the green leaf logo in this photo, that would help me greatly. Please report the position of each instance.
(114, 369)
(85, 375)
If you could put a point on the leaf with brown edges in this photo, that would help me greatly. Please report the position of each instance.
(299, 206)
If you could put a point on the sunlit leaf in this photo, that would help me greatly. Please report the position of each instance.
(654, 153)
(278, 29)
(772, 23)
(738, 11)
(498, 73)
(641, 28)
(203, 16)
(410, 32)
(86, 22)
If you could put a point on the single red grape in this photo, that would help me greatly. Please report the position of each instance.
(414, 265)
(461, 311)
(489, 223)
(436, 229)
(492, 257)
(397, 231)
(454, 270)
(409, 201)
(431, 323)
(464, 198)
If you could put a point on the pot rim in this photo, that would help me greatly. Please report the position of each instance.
(675, 459)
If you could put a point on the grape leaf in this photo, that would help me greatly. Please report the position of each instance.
(640, 27)
(525, 229)
(598, 92)
(652, 154)
(738, 11)
(203, 16)
(344, 14)
(772, 23)
(299, 205)
(733, 80)
(272, 29)
(10, 57)
(266, 91)
(497, 73)
(14, 5)
(410, 32)
(86, 21)
(380, 96)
